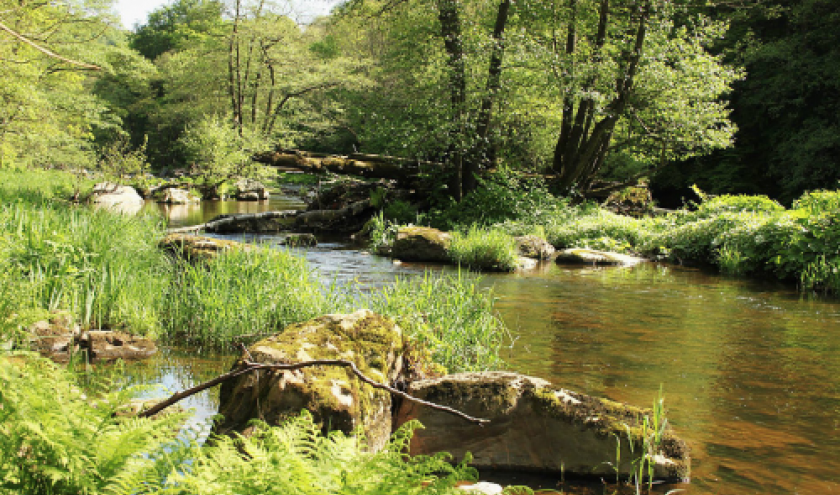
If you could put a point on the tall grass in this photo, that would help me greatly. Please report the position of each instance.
(484, 249)
(242, 295)
(450, 315)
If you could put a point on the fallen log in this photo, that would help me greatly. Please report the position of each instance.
(219, 223)
(369, 166)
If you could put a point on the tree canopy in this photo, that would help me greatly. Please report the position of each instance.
(592, 93)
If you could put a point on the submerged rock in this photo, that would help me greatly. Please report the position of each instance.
(421, 244)
(581, 256)
(107, 345)
(531, 246)
(337, 399)
(534, 427)
(196, 247)
(297, 240)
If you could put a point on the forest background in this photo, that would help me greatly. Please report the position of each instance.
(736, 96)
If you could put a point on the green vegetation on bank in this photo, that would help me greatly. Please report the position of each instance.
(58, 437)
(108, 272)
(738, 234)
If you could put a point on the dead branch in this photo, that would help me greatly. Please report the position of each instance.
(249, 366)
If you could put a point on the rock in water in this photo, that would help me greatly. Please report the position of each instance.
(114, 197)
(250, 190)
(196, 247)
(337, 399)
(581, 256)
(174, 196)
(534, 427)
(531, 246)
(421, 244)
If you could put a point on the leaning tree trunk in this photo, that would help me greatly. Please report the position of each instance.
(583, 143)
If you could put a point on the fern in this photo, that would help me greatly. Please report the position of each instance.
(56, 439)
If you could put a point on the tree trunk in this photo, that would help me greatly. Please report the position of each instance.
(483, 147)
(583, 143)
(450, 30)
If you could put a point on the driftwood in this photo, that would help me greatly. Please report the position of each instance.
(371, 166)
(229, 219)
(249, 366)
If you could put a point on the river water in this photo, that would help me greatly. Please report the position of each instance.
(750, 370)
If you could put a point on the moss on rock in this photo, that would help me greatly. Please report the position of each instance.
(337, 399)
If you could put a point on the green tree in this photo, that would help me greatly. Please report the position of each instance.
(47, 54)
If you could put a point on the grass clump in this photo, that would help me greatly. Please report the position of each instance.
(484, 249)
(451, 316)
(242, 295)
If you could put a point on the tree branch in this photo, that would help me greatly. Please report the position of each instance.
(250, 366)
(46, 51)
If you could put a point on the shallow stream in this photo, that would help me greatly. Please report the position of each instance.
(750, 369)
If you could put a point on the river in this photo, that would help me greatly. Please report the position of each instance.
(750, 370)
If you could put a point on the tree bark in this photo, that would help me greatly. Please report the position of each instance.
(450, 30)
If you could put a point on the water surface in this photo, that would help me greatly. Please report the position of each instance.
(750, 370)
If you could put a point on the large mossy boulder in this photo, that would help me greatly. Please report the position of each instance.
(534, 427)
(421, 244)
(196, 247)
(582, 256)
(337, 399)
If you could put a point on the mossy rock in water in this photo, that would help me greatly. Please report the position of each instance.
(582, 256)
(534, 247)
(196, 247)
(535, 427)
(421, 244)
(337, 399)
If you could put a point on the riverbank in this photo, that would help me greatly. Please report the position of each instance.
(737, 235)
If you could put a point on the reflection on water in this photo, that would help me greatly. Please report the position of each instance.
(750, 370)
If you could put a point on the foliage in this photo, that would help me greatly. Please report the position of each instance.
(484, 249)
(217, 151)
(58, 438)
(55, 439)
(48, 112)
(502, 196)
(294, 458)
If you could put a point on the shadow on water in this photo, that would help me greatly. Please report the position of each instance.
(750, 370)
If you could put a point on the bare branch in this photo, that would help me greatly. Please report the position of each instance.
(249, 366)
